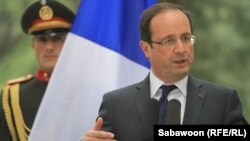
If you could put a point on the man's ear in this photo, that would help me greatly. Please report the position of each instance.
(146, 48)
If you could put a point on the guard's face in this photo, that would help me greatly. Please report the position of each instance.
(172, 61)
(47, 49)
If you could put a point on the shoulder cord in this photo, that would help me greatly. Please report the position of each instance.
(8, 116)
(22, 129)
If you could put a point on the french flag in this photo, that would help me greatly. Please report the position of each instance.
(101, 53)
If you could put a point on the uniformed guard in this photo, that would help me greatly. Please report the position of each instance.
(47, 22)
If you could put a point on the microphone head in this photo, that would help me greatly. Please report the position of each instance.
(174, 112)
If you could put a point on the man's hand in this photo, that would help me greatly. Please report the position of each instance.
(97, 135)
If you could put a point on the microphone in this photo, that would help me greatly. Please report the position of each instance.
(174, 112)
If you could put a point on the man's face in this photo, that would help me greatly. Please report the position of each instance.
(47, 49)
(173, 61)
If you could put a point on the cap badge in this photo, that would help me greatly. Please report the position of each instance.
(46, 13)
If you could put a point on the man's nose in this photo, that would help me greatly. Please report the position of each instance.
(49, 43)
(180, 46)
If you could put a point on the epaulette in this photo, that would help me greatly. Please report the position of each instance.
(21, 79)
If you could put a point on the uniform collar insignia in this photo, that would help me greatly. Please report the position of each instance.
(42, 75)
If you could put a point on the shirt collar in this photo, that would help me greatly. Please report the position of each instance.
(156, 83)
(42, 75)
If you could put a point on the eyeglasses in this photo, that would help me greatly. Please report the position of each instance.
(169, 42)
(54, 37)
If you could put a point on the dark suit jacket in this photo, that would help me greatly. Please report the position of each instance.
(130, 113)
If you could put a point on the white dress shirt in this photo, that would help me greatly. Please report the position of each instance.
(180, 93)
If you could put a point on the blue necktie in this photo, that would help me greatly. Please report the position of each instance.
(163, 102)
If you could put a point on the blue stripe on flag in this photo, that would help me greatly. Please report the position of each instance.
(119, 28)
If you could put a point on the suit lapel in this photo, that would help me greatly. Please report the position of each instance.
(195, 99)
(147, 109)
(143, 103)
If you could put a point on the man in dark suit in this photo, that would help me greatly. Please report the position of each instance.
(167, 40)
(47, 22)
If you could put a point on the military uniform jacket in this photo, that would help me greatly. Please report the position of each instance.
(19, 102)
